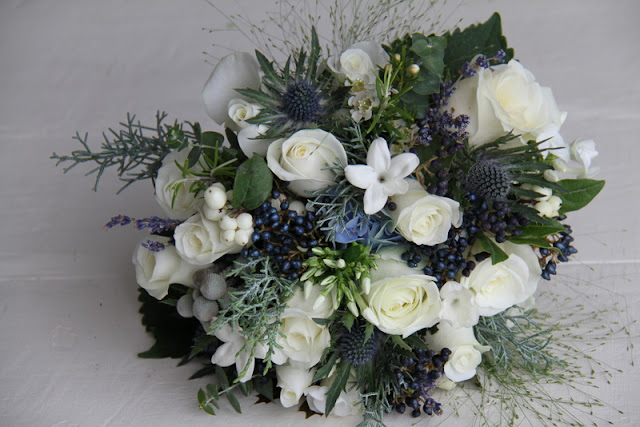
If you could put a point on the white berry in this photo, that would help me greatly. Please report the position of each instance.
(205, 310)
(215, 197)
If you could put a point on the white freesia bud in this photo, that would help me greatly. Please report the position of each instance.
(551, 176)
(228, 223)
(244, 220)
(353, 308)
(559, 165)
(366, 285)
(215, 197)
(308, 287)
(341, 263)
(330, 263)
(328, 280)
(319, 301)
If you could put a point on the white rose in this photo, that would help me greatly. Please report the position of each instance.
(240, 111)
(303, 342)
(345, 405)
(506, 98)
(466, 351)
(401, 300)
(458, 305)
(250, 143)
(293, 383)
(155, 271)
(184, 204)
(199, 241)
(423, 218)
(498, 287)
(360, 62)
(303, 160)
(238, 70)
(583, 151)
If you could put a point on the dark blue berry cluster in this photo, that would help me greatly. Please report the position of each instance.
(496, 218)
(278, 233)
(443, 261)
(549, 258)
(416, 378)
(301, 102)
(355, 348)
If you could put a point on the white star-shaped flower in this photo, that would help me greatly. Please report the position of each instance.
(382, 176)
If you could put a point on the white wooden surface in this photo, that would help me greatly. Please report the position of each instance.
(69, 328)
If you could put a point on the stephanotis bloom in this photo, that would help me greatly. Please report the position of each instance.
(382, 176)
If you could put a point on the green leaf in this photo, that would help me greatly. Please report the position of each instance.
(202, 343)
(353, 253)
(269, 73)
(326, 368)
(397, 340)
(233, 400)
(415, 341)
(193, 156)
(202, 397)
(172, 332)
(212, 389)
(539, 242)
(540, 181)
(209, 410)
(233, 143)
(342, 376)
(497, 254)
(253, 183)
(203, 372)
(579, 193)
(541, 230)
(221, 376)
(431, 51)
(265, 389)
(259, 97)
(463, 45)
(348, 319)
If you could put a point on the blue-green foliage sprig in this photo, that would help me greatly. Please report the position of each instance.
(135, 150)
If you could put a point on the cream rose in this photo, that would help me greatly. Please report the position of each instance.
(304, 160)
(466, 351)
(423, 218)
(458, 305)
(401, 300)
(155, 271)
(237, 70)
(199, 241)
(293, 383)
(506, 98)
(239, 112)
(498, 287)
(303, 342)
(184, 204)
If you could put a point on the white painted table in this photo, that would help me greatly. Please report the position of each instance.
(69, 327)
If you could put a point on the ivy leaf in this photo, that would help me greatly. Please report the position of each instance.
(172, 333)
(497, 254)
(253, 183)
(579, 193)
(463, 45)
(342, 376)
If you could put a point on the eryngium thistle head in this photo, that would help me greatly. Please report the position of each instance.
(301, 102)
(489, 180)
(353, 347)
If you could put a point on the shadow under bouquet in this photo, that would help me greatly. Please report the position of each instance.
(371, 225)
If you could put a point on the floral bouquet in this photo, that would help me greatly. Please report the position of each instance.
(371, 225)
